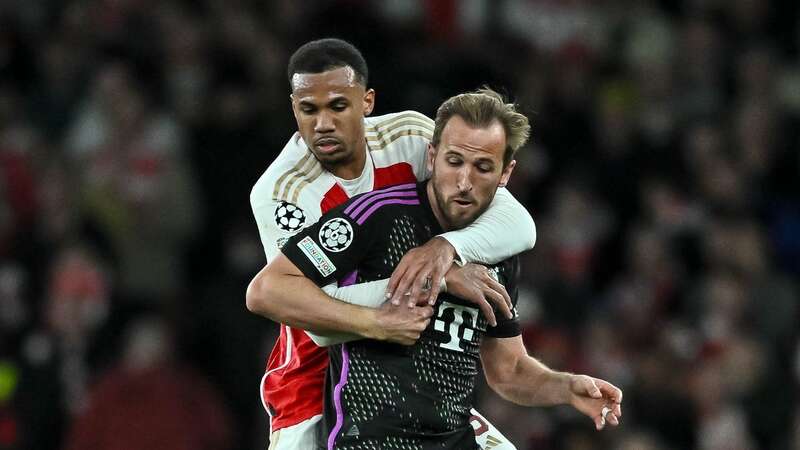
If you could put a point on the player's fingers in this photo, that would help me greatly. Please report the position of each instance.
(485, 307)
(436, 283)
(497, 287)
(610, 391)
(425, 312)
(403, 290)
(497, 299)
(394, 280)
(420, 286)
(491, 294)
(599, 422)
(607, 414)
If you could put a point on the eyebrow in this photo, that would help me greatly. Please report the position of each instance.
(338, 98)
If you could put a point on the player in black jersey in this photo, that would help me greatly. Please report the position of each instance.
(389, 396)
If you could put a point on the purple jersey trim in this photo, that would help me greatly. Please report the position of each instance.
(375, 198)
(390, 201)
(337, 397)
(364, 197)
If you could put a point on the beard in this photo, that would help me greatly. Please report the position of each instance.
(454, 216)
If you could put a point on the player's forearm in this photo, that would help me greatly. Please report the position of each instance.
(531, 383)
(295, 301)
(504, 230)
(369, 294)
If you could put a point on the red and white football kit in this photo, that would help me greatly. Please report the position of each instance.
(296, 190)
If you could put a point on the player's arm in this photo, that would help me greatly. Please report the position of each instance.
(470, 280)
(505, 229)
(281, 292)
(524, 380)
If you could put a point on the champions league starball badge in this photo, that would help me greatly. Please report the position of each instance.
(336, 235)
(289, 217)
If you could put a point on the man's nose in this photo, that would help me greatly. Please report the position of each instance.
(324, 123)
(464, 183)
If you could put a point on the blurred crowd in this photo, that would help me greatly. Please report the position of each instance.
(663, 175)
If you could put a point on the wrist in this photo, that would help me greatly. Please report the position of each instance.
(566, 380)
(449, 248)
(367, 324)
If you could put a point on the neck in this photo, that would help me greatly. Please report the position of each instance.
(433, 199)
(352, 168)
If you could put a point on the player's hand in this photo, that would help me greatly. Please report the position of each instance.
(400, 324)
(473, 283)
(598, 399)
(418, 277)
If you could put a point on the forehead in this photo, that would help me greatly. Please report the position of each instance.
(486, 142)
(334, 82)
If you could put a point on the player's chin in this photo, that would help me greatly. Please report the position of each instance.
(460, 218)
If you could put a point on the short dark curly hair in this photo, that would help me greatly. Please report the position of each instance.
(327, 54)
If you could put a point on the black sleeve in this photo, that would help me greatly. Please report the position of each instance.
(331, 248)
(508, 274)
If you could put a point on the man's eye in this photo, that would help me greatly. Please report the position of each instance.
(485, 168)
(453, 161)
(340, 107)
(307, 110)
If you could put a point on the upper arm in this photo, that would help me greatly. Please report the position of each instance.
(277, 220)
(331, 248)
(500, 356)
(402, 137)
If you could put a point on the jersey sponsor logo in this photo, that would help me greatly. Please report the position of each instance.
(317, 256)
(453, 327)
(289, 217)
(336, 235)
(281, 242)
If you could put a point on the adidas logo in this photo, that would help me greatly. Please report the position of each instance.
(492, 442)
(353, 431)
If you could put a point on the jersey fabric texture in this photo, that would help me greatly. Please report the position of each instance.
(388, 396)
(292, 194)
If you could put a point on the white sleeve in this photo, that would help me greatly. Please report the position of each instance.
(277, 221)
(370, 294)
(504, 230)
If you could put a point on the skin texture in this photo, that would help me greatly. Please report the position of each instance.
(467, 170)
(329, 108)
(524, 380)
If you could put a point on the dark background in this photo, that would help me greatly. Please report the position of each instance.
(662, 175)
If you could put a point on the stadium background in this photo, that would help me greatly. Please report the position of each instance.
(663, 176)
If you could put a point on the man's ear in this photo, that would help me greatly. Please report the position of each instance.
(369, 101)
(430, 157)
(507, 173)
(293, 101)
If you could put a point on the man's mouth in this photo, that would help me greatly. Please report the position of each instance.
(462, 202)
(327, 145)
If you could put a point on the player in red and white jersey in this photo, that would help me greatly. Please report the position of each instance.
(339, 152)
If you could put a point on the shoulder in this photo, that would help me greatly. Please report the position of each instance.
(293, 168)
(383, 131)
(371, 206)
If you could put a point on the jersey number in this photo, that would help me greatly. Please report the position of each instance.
(452, 327)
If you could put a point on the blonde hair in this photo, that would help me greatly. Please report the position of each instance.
(480, 109)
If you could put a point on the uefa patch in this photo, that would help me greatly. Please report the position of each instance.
(336, 235)
(317, 256)
(289, 217)
(281, 242)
